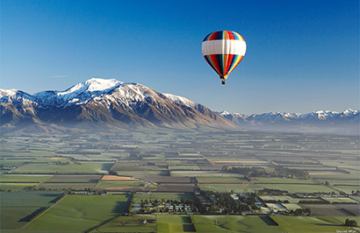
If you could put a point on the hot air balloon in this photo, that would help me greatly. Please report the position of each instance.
(223, 50)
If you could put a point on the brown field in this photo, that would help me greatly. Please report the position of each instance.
(123, 178)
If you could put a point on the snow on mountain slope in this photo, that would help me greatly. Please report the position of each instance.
(182, 100)
(79, 94)
(14, 96)
(99, 101)
(274, 116)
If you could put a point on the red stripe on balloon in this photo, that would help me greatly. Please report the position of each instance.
(228, 59)
(214, 61)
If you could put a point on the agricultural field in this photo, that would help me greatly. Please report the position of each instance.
(235, 224)
(138, 223)
(17, 208)
(270, 180)
(177, 165)
(187, 168)
(17, 217)
(119, 183)
(292, 207)
(238, 188)
(222, 180)
(80, 213)
(174, 223)
(202, 174)
(66, 166)
(33, 198)
(17, 186)
(333, 210)
(6, 178)
(299, 224)
(74, 179)
(63, 186)
(340, 200)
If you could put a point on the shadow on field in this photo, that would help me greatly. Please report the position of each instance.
(185, 219)
(269, 221)
(188, 228)
(56, 196)
(120, 207)
(32, 215)
(106, 166)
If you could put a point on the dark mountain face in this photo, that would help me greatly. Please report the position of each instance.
(102, 105)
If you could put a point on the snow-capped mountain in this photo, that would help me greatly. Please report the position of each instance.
(110, 104)
(347, 120)
(277, 116)
(105, 102)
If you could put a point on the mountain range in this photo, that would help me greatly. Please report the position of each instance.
(100, 104)
(105, 105)
(346, 122)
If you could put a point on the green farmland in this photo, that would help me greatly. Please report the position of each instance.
(174, 224)
(214, 181)
(292, 224)
(34, 198)
(80, 213)
(129, 224)
(250, 224)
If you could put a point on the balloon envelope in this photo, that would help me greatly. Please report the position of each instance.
(223, 50)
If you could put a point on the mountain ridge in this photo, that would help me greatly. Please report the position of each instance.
(107, 104)
(98, 103)
(346, 122)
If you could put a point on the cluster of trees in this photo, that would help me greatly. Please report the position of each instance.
(216, 202)
(246, 170)
(305, 211)
(350, 223)
(355, 193)
(281, 171)
(60, 163)
(275, 192)
(166, 203)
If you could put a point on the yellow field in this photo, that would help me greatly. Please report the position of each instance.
(123, 178)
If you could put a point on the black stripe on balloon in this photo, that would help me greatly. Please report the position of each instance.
(220, 62)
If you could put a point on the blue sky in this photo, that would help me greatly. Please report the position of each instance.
(301, 55)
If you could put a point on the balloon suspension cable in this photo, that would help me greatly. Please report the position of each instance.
(223, 77)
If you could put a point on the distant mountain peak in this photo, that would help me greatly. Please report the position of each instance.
(346, 122)
(94, 84)
(106, 103)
